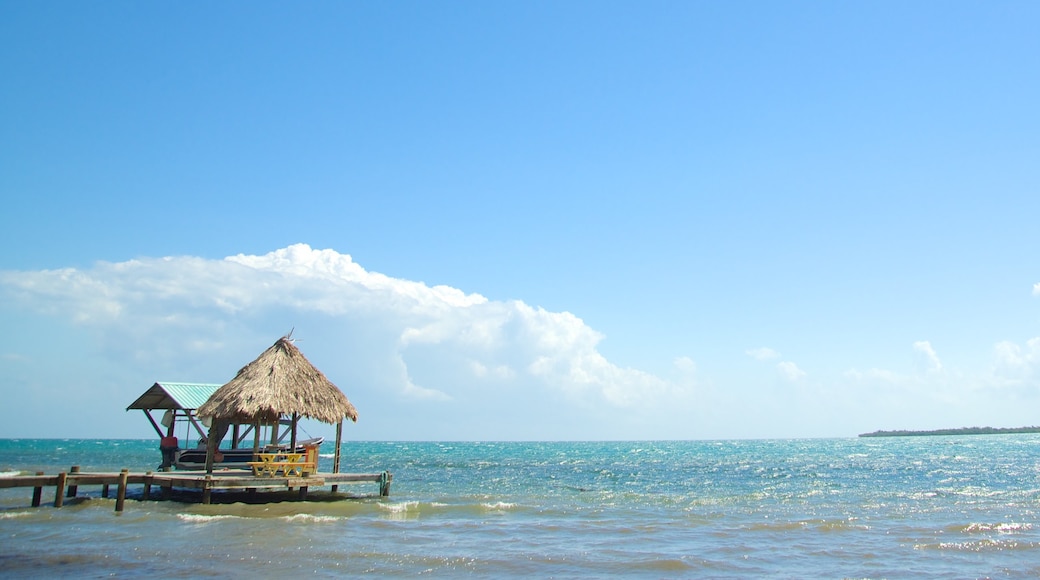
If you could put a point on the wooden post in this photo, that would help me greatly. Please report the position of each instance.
(339, 442)
(121, 492)
(73, 489)
(207, 490)
(104, 491)
(37, 492)
(384, 484)
(59, 491)
(147, 413)
(303, 493)
(292, 438)
(211, 446)
(336, 454)
(147, 486)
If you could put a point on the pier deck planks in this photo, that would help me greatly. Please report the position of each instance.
(198, 480)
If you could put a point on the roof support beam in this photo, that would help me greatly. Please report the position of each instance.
(295, 421)
(339, 440)
(152, 421)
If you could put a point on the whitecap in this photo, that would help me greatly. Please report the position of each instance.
(499, 506)
(203, 519)
(1003, 528)
(399, 507)
(12, 515)
(310, 518)
(10, 473)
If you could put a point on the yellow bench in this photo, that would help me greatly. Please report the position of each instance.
(290, 464)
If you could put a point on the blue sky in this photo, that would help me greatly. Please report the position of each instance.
(527, 220)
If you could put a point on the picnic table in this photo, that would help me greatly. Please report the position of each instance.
(288, 463)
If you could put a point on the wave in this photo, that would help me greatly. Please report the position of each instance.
(400, 507)
(820, 525)
(972, 492)
(1003, 528)
(986, 545)
(10, 473)
(204, 519)
(414, 508)
(311, 518)
(12, 515)
(498, 506)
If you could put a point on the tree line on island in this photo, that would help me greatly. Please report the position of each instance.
(958, 431)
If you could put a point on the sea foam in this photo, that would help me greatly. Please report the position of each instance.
(204, 519)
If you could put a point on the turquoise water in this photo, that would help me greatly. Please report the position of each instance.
(920, 507)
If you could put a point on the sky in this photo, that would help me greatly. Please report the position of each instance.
(526, 220)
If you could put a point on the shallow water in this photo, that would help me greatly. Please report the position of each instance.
(866, 508)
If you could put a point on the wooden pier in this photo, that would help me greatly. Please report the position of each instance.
(66, 484)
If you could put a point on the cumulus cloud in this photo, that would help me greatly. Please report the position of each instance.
(686, 365)
(787, 369)
(929, 380)
(931, 360)
(790, 371)
(1014, 363)
(763, 353)
(428, 342)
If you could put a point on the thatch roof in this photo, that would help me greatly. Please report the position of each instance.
(281, 381)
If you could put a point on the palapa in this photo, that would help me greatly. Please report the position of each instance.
(281, 381)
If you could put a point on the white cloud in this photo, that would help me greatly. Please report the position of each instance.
(790, 371)
(686, 365)
(928, 361)
(428, 343)
(787, 369)
(1036, 289)
(1015, 364)
(763, 353)
(932, 362)
(501, 372)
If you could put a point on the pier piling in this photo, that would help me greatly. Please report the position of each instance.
(147, 486)
(384, 484)
(121, 491)
(59, 490)
(37, 492)
(73, 489)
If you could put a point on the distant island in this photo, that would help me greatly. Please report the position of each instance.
(960, 431)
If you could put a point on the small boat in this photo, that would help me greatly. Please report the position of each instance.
(195, 459)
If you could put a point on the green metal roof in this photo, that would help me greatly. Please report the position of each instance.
(166, 395)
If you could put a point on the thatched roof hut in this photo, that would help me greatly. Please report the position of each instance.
(281, 381)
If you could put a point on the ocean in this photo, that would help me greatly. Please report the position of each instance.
(906, 507)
